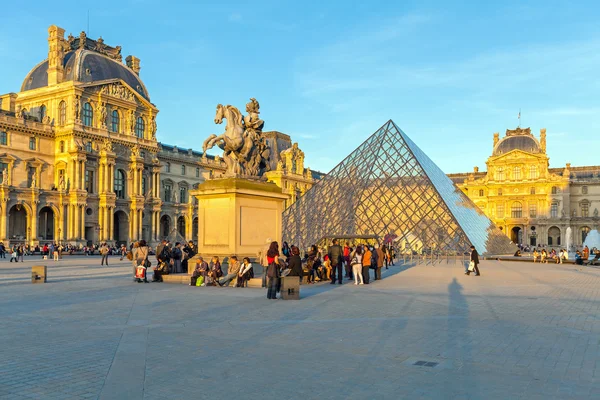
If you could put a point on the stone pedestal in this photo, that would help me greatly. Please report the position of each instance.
(290, 288)
(38, 274)
(236, 216)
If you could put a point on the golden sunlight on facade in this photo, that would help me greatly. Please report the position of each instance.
(532, 203)
(79, 159)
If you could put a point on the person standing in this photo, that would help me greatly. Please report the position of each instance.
(366, 263)
(380, 259)
(104, 254)
(335, 256)
(272, 270)
(348, 267)
(176, 255)
(356, 263)
(475, 260)
(262, 257)
(21, 251)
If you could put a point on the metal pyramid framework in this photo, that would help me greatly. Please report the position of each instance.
(388, 187)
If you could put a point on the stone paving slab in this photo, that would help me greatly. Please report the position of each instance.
(520, 331)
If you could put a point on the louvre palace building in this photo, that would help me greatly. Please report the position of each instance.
(80, 162)
(532, 203)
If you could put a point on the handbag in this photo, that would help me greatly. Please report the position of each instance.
(140, 272)
(200, 281)
(471, 266)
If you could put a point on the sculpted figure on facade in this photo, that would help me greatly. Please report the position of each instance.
(5, 176)
(132, 121)
(33, 181)
(101, 112)
(244, 151)
(61, 182)
(153, 127)
(76, 109)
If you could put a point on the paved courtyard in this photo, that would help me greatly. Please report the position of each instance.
(521, 330)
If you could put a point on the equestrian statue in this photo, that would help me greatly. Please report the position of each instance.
(245, 151)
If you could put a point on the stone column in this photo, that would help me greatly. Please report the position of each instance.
(82, 174)
(82, 222)
(4, 219)
(111, 223)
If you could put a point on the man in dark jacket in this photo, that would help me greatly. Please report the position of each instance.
(475, 260)
(335, 255)
(177, 254)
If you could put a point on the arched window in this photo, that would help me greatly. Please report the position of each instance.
(88, 114)
(120, 184)
(183, 170)
(61, 146)
(481, 193)
(554, 190)
(500, 174)
(42, 112)
(168, 167)
(516, 173)
(516, 211)
(62, 113)
(139, 128)
(114, 123)
(533, 172)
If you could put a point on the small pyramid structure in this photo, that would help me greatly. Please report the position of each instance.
(389, 188)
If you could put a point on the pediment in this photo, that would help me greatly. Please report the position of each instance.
(5, 157)
(516, 154)
(118, 89)
(35, 161)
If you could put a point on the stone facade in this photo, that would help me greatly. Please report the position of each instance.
(79, 158)
(532, 203)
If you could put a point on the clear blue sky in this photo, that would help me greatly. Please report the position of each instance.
(329, 73)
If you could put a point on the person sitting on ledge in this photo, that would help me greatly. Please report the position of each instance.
(215, 271)
(232, 272)
(553, 256)
(245, 274)
(536, 255)
(200, 271)
(544, 256)
(562, 255)
(578, 259)
(596, 259)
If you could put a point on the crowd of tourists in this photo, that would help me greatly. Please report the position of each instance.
(334, 265)
(542, 255)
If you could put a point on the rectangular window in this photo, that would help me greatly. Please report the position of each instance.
(554, 210)
(167, 194)
(32, 143)
(197, 172)
(584, 190)
(585, 209)
(3, 138)
(532, 190)
(533, 211)
(183, 170)
(499, 192)
(182, 195)
(89, 181)
(144, 186)
(500, 211)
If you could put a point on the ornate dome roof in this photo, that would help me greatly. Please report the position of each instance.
(518, 139)
(89, 62)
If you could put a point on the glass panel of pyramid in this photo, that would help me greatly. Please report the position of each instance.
(390, 189)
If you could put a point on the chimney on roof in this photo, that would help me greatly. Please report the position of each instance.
(543, 139)
(475, 169)
(496, 138)
(134, 63)
(56, 54)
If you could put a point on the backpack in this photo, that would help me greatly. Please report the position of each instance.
(200, 281)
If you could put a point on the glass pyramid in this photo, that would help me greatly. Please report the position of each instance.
(389, 189)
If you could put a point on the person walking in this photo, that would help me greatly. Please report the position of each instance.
(475, 260)
(356, 263)
(379, 264)
(335, 253)
(104, 254)
(273, 270)
(141, 259)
